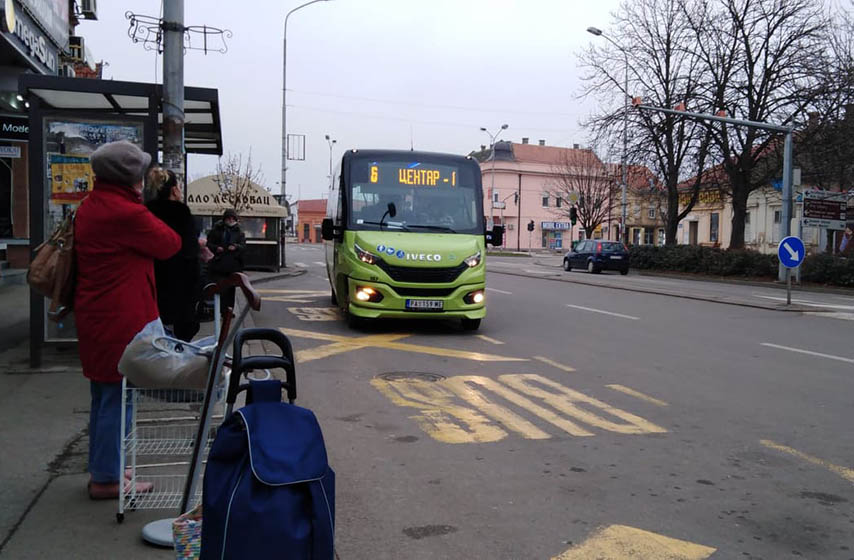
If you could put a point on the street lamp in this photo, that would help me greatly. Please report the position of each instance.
(285, 104)
(331, 143)
(598, 32)
(492, 139)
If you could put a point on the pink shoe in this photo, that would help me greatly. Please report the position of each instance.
(110, 490)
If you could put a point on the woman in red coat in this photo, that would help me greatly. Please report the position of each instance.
(116, 241)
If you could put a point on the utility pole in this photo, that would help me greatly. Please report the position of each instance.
(173, 87)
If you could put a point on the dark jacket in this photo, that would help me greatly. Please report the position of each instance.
(227, 261)
(116, 240)
(178, 278)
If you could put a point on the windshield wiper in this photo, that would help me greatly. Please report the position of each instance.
(439, 228)
(386, 224)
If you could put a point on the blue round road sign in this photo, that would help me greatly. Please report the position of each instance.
(791, 252)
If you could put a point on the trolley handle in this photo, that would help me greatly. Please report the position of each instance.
(237, 280)
(241, 364)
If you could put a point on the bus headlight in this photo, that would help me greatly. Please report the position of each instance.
(476, 296)
(366, 293)
(365, 256)
(473, 260)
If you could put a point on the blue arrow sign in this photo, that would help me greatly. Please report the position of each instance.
(791, 252)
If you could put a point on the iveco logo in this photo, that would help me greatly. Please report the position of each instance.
(423, 257)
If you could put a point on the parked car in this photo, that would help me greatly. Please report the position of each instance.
(597, 255)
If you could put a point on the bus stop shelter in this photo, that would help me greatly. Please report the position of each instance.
(68, 119)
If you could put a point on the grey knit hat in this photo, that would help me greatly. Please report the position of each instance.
(120, 163)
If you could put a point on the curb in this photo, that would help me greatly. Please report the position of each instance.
(755, 305)
(277, 276)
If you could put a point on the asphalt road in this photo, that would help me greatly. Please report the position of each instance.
(580, 422)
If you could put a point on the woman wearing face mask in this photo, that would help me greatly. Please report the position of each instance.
(116, 240)
(227, 243)
(177, 277)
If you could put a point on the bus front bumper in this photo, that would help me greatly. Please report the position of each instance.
(394, 305)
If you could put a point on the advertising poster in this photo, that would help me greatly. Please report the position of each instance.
(71, 178)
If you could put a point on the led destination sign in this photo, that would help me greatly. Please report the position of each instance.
(414, 175)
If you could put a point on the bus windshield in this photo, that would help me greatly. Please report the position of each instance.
(429, 195)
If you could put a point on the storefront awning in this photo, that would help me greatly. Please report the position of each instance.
(206, 197)
(202, 134)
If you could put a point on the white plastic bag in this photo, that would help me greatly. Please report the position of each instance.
(153, 360)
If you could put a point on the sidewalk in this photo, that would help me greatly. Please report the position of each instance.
(46, 512)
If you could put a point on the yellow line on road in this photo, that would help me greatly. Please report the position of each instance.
(553, 363)
(383, 341)
(637, 394)
(490, 340)
(620, 542)
(844, 472)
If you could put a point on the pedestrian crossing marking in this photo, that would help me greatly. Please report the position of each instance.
(291, 296)
(482, 419)
(621, 542)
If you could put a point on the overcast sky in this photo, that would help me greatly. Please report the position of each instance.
(374, 74)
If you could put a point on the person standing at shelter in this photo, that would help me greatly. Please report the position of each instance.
(116, 241)
(177, 278)
(227, 243)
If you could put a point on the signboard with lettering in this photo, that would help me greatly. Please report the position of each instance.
(825, 209)
(555, 225)
(22, 32)
(709, 196)
(10, 152)
(51, 15)
(14, 128)
(71, 178)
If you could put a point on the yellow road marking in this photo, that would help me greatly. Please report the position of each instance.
(327, 350)
(315, 313)
(620, 542)
(564, 399)
(844, 472)
(553, 363)
(462, 386)
(490, 340)
(483, 420)
(437, 411)
(389, 344)
(637, 394)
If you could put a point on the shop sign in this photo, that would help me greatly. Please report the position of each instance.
(10, 152)
(709, 196)
(22, 31)
(14, 128)
(227, 200)
(52, 16)
(555, 225)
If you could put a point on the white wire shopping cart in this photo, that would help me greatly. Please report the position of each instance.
(170, 430)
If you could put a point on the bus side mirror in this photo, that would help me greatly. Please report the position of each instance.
(326, 229)
(496, 236)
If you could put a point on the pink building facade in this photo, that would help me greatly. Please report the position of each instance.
(517, 184)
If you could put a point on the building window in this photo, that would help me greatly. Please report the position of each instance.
(778, 216)
(648, 235)
(494, 196)
(713, 227)
(661, 236)
(558, 202)
(545, 201)
(651, 213)
(748, 235)
(636, 236)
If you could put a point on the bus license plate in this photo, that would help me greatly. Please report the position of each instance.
(425, 304)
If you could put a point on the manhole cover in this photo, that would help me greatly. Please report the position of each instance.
(401, 375)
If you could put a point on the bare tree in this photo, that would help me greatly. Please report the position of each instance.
(655, 37)
(759, 63)
(235, 180)
(581, 176)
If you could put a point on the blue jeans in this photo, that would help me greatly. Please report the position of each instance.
(105, 431)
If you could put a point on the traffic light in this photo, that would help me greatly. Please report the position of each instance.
(531, 225)
(573, 215)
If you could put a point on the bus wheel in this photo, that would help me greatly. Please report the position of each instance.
(332, 294)
(471, 324)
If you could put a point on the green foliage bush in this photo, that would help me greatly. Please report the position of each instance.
(695, 259)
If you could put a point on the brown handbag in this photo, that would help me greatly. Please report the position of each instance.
(52, 272)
